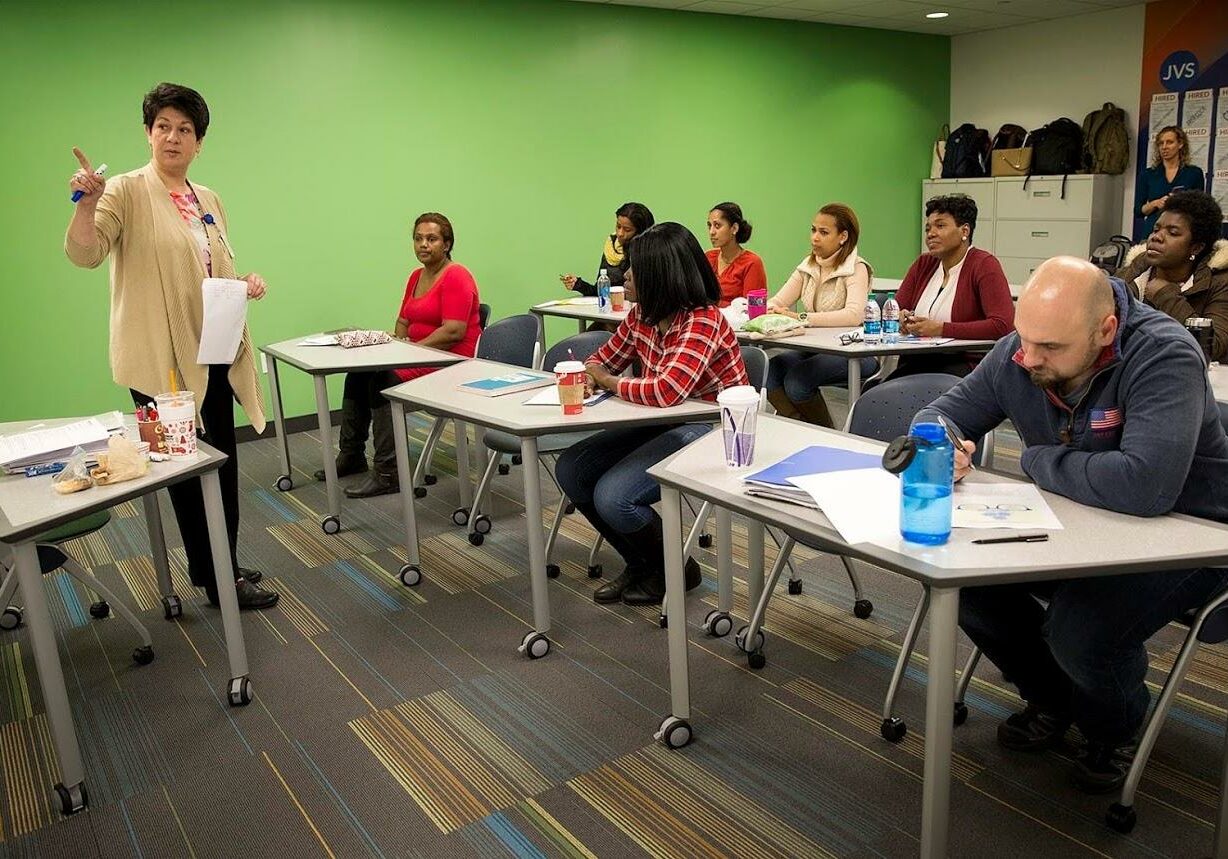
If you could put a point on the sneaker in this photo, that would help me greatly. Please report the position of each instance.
(375, 484)
(346, 465)
(251, 597)
(1101, 768)
(1033, 730)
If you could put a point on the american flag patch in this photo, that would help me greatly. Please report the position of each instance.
(1105, 419)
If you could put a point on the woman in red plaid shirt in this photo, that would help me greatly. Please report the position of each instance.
(685, 349)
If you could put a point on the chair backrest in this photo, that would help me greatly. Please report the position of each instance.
(512, 340)
(577, 347)
(483, 315)
(886, 411)
(756, 361)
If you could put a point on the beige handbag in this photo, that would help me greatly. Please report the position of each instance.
(1011, 162)
(940, 152)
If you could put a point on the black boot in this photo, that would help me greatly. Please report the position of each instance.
(352, 445)
(347, 464)
(650, 546)
(612, 591)
(375, 484)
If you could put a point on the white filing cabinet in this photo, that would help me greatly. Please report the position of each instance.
(1024, 226)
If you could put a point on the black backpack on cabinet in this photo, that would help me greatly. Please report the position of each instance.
(967, 153)
(1057, 148)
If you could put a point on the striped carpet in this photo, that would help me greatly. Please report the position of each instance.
(395, 722)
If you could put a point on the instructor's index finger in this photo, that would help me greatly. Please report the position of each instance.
(85, 162)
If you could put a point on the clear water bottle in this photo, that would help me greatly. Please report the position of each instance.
(926, 485)
(603, 293)
(871, 324)
(891, 320)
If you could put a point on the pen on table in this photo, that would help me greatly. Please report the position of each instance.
(77, 195)
(1018, 538)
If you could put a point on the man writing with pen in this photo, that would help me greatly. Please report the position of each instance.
(1112, 404)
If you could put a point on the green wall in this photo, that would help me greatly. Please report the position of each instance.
(526, 123)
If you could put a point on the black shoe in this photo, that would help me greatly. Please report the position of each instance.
(252, 576)
(346, 465)
(651, 589)
(1033, 730)
(375, 484)
(1101, 768)
(612, 591)
(250, 596)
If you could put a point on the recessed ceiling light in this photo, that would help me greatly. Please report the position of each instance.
(937, 14)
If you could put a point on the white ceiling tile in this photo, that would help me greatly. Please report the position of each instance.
(724, 7)
(798, 6)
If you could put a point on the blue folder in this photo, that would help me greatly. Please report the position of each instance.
(816, 459)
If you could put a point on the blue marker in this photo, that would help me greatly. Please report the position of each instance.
(77, 195)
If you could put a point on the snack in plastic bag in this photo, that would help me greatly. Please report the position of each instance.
(773, 325)
(352, 339)
(736, 314)
(122, 461)
(75, 476)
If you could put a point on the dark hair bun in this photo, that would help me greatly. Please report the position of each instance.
(744, 231)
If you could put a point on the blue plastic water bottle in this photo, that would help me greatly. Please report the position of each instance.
(925, 488)
(603, 293)
(872, 322)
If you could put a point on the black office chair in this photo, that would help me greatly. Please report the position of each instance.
(483, 315)
(52, 557)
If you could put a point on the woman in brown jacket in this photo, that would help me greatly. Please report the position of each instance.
(1182, 270)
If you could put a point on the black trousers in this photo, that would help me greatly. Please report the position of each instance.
(363, 406)
(217, 428)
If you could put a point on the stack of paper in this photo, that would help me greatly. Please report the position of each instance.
(51, 444)
(776, 481)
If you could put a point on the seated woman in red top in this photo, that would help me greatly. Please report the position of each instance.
(686, 349)
(440, 309)
(953, 290)
(737, 270)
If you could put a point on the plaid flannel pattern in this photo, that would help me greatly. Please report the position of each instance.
(697, 356)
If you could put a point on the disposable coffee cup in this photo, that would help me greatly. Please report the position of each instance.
(177, 414)
(739, 411)
(618, 299)
(570, 376)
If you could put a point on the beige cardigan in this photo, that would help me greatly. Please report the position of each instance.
(838, 300)
(156, 273)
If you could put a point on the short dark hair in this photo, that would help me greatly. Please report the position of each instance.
(445, 227)
(1204, 214)
(961, 207)
(732, 213)
(670, 272)
(184, 99)
(637, 213)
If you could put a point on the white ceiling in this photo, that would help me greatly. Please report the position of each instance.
(965, 16)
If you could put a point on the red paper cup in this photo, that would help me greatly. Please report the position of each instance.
(570, 376)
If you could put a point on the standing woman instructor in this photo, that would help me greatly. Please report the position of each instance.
(165, 235)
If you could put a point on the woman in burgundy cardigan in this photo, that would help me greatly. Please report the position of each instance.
(953, 290)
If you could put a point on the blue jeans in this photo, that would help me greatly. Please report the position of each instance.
(610, 471)
(802, 374)
(1084, 656)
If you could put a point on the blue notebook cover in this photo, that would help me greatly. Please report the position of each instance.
(816, 459)
(507, 384)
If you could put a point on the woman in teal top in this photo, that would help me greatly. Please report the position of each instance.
(1170, 171)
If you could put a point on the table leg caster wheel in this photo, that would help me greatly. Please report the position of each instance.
(663, 621)
(1121, 817)
(143, 655)
(552, 571)
(419, 491)
(674, 732)
(460, 516)
(331, 524)
(756, 660)
(482, 524)
(10, 618)
(284, 483)
(534, 645)
(71, 799)
(504, 469)
(705, 541)
(410, 575)
(863, 609)
(795, 587)
(171, 607)
(100, 609)
(569, 509)
(430, 479)
(594, 571)
(740, 640)
(961, 713)
(239, 692)
(718, 624)
(893, 729)
(517, 459)
(476, 539)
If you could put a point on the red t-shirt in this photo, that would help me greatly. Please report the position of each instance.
(453, 297)
(740, 276)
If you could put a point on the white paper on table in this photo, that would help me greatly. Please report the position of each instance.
(27, 447)
(862, 504)
(550, 397)
(111, 421)
(1002, 505)
(319, 340)
(225, 304)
